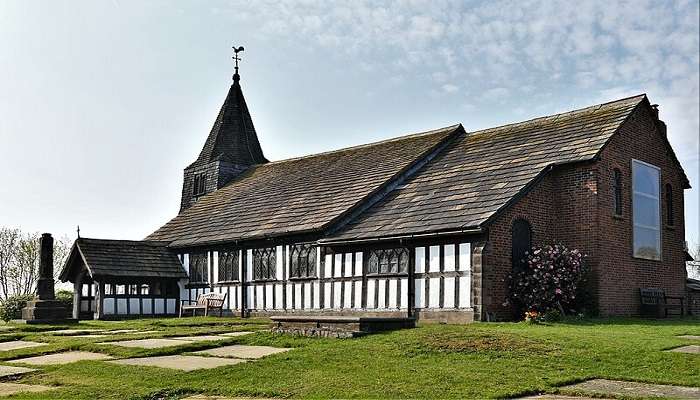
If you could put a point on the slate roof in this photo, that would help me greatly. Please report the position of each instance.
(233, 137)
(124, 258)
(483, 171)
(299, 195)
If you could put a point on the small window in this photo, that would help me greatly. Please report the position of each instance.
(669, 205)
(302, 259)
(109, 290)
(121, 289)
(388, 261)
(199, 184)
(264, 263)
(133, 289)
(144, 289)
(646, 211)
(199, 268)
(228, 266)
(521, 242)
(617, 191)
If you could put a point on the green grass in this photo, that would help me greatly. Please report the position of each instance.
(431, 361)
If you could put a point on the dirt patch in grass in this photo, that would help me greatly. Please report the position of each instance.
(480, 342)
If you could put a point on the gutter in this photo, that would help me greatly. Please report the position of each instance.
(402, 237)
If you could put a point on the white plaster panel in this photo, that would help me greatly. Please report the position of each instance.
(215, 265)
(449, 257)
(135, 307)
(371, 287)
(147, 306)
(434, 295)
(317, 295)
(358, 294)
(465, 292)
(336, 294)
(297, 296)
(238, 297)
(381, 289)
(108, 306)
(171, 305)
(307, 295)
(358, 264)
(290, 289)
(393, 284)
(269, 296)
(449, 299)
(279, 260)
(259, 300)
(240, 265)
(249, 266)
(249, 296)
(327, 267)
(347, 301)
(420, 291)
(420, 260)
(327, 295)
(278, 296)
(347, 271)
(159, 306)
(404, 293)
(434, 259)
(338, 266)
(186, 263)
(121, 306)
(465, 256)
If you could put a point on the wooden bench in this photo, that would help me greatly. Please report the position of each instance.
(655, 303)
(206, 302)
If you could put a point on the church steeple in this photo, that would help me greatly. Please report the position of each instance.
(231, 147)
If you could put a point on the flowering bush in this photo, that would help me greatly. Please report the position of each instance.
(548, 280)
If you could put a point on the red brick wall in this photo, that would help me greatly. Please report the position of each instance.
(573, 205)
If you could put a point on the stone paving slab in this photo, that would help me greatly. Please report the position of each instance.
(605, 387)
(18, 344)
(72, 332)
(148, 343)
(183, 363)
(62, 358)
(558, 397)
(201, 338)
(205, 397)
(6, 370)
(7, 388)
(691, 349)
(96, 336)
(691, 337)
(233, 334)
(240, 351)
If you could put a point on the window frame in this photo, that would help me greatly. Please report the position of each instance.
(659, 207)
(400, 252)
(205, 266)
(307, 253)
(199, 184)
(236, 266)
(270, 255)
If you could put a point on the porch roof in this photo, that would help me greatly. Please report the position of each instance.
(122, 258)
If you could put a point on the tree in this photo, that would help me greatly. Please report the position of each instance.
(19, 260)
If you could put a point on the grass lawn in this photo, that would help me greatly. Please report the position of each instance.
(431, 361)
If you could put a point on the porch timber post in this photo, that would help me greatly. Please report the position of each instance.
(99, 300)
(244, 277)
(77, 294)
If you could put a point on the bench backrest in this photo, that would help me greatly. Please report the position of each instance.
(652, 296)
(211, 299)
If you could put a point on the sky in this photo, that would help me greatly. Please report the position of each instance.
(103, 103)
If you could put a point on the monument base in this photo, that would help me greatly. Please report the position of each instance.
(45, 312)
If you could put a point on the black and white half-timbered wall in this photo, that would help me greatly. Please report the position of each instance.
(427, 225)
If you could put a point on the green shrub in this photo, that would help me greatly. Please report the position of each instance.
(12, 307)
(65, 297)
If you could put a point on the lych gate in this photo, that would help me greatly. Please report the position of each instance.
(119, 278)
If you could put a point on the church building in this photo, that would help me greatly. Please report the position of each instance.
(427, 225)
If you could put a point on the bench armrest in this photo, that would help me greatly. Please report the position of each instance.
(188, 301)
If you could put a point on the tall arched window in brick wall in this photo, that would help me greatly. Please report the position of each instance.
(669, 205)
(617, 191)
(521, 241)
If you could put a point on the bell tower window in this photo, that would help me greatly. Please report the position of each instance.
(199, 184)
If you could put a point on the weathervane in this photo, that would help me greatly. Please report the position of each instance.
(236, 50)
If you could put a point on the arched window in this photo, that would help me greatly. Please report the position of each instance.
(522, 242)
(617, 191)
(669, 205)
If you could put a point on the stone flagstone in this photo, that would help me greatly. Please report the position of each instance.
(691, 337)
(202, 338)
(183, 363)
(691, 349)
(18, 344)
(149, 343)
(6, 370)
(232, 334)
(206, 397)
(61, 358)
(72, 332)
(240, 351)
(605, 387)
(7, 388)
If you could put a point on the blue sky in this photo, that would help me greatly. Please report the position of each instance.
(103, 103)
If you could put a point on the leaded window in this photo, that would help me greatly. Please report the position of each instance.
(199, 271)
(264, 263)
(646, 210)
(388, 261)
(521, 243)
(302, 258)
(199, 185)
(228, 266)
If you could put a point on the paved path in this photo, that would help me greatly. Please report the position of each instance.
(61, 358)
(605, 387)
(183, 363)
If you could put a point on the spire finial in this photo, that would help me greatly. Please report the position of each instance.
(237, 50)
(78, 231)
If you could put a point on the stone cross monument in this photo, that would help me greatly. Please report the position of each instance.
(45, 308)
